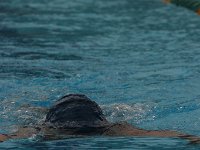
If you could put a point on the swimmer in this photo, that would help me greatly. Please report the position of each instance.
(75, 115)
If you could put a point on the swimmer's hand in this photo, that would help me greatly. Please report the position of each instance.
(3, 138)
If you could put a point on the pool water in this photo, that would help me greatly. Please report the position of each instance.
(138, 59)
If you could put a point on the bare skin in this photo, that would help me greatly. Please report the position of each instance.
(117, 129)
(3, 137)
(126, 129)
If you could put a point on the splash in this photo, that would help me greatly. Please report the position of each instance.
(14, 115)
(133, 113)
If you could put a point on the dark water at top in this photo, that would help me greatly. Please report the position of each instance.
(139, 59)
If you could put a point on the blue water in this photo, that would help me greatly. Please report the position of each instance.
(139, 59)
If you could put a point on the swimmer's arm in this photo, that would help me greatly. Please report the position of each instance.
(23, 132)
(4, 137)
(173, 134)
(125, 129)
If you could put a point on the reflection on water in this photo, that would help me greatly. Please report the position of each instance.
(139, 59)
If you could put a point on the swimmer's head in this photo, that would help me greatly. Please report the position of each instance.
(75, 111)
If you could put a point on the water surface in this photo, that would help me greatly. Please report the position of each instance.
(138, 59)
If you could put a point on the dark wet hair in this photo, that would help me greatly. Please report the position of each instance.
(75, 111)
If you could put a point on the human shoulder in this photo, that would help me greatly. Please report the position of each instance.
(122, 129)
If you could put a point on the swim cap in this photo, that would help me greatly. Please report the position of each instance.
(75, 111)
